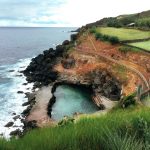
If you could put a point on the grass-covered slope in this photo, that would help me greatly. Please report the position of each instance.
(123, 33)
(141, 20)
(144, 45)
(118, 130)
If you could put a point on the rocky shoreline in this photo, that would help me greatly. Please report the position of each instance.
(41, 72)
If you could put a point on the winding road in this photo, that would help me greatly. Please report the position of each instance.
(134, 70)
(119, 63)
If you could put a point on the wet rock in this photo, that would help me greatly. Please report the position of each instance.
(9, 124)
(19, 75)
(17, 132)
(74, 37)
(30, 96)
(20, 92)
(11, 70)
(30, 124)
(13, 113)
(26, 103)
(16, 117)
(66, 42)
(27, 111)
(25, 84)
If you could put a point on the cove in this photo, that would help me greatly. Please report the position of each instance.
(71, 99)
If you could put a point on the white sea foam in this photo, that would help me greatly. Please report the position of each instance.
(10, 101)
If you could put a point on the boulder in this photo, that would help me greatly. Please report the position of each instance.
(20, 92)
(9, 124)
(66, 42)
(27, 111)
(26, 103)
(68, 63)
(11, 70)
(30, 124)
(16, 117)
(17, 132)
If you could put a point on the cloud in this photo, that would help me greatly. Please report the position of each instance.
(64, 12)
(28, 12)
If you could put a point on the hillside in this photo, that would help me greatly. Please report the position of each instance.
(141, 20)
(117, 74)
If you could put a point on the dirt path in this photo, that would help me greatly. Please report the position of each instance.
(39, 110)
(123, 64)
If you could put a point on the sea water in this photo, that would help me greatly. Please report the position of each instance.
(17, 47)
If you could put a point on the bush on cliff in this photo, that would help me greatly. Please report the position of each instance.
(103, 37)
(120, 129)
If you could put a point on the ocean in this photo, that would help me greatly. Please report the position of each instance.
(17, 47)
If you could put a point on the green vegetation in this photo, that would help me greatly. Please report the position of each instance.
(144, 45)
(104, 37)
(143, 23)
(121, 71)
(125, 49)
(140, 20)
(120, 129)
(128, 100)
(124, 34)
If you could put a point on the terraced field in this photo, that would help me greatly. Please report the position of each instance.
(144, 45)
(123, 33)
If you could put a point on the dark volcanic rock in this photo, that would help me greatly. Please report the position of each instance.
(40, 69)
(13, 113)
(106, 85)
(11, 70)
(9, 124)
(66, 42)
(26, 103)
(20, 92)
(27, 111)
(68, 63)
(16, 117)
(30, 96)
(24, 83)
(30, 124)
(17, 132)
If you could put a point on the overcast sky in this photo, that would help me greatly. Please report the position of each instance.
(64, 12)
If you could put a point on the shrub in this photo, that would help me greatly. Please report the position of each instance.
(124, 49)
(105, 37)
(128, 100)
(98, 36)
(73, 37)
(113, 40)
(93, 30)
(113, 22)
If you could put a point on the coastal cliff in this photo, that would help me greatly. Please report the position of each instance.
(83, 61)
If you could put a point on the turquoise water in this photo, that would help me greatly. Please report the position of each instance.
(71, 99)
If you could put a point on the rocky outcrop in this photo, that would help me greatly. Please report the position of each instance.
(40, 70)
(68, 63)
(105, 84)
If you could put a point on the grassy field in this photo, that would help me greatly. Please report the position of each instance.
(124, 34)
(145, 45)
(118, 130)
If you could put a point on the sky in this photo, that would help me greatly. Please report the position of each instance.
(64, 13)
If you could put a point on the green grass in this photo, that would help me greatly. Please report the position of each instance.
(118, 130)
(124, 34)
(144, 45)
